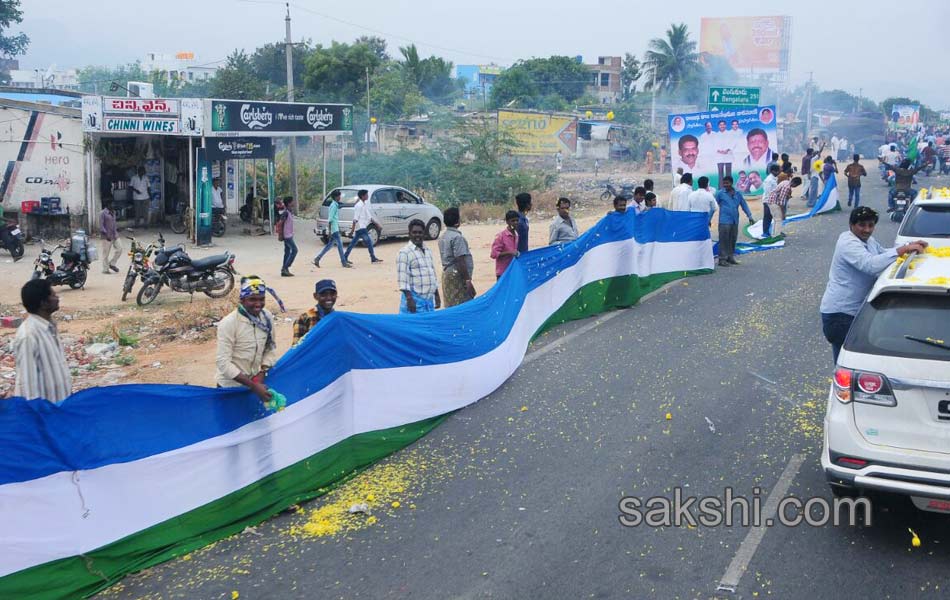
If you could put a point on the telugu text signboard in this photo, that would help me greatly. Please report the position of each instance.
(740, 143)
(540, 133)
(731, 97)
(154, 116)
(757, 43)
(233, 118)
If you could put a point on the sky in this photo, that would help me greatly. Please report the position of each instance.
(840, 45)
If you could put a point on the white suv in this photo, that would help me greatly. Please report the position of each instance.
(926, 220)
(887, 426)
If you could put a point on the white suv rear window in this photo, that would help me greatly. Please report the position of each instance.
(901, 325)
(927, 221)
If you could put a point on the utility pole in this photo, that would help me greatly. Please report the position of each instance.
(653, 101)
(808, 115)
(290, 98)
(369, 124)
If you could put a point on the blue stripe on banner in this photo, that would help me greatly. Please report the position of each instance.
(106, 425)
(830, 185)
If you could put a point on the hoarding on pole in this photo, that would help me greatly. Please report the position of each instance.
(740, 143)
(904, 116)
(240, 118)
(758, 43)
(540, 133)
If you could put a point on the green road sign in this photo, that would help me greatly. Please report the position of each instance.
(727, 97)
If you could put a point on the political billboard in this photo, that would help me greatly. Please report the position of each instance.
(740, 143)
(904, 116)
(540, 133)
(759, 43)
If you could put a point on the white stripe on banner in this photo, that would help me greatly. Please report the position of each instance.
(827, 201)
(45, 519)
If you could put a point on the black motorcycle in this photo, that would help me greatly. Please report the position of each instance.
(625, 191)
(11, 238)
(72, 271)
(213, 276)
(139, 265)
(219, 222)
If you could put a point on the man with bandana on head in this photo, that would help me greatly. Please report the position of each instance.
(246, 346)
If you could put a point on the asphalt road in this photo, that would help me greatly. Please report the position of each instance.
(517, 496)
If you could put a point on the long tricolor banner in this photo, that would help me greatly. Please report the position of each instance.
(827, 202)
(119, 478)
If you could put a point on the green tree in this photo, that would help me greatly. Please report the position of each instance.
(10, 13)
(432, 76)
(672, 60)
(237, 79)
(270, 62)
(98, 79)
(338, 73)
(631, 72)
(530, 82)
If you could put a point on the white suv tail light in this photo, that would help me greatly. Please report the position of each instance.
(863, 386)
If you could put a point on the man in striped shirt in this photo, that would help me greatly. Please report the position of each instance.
(778, 202)
(41, 370)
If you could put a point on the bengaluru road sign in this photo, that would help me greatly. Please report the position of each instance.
(730, 97)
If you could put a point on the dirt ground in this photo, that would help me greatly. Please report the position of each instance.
(172, 341)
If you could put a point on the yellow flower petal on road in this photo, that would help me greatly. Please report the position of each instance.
(914, 541)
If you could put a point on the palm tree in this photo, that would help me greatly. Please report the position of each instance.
(672, 60)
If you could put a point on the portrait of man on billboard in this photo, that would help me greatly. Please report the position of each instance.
(688, 150)
(760, 155)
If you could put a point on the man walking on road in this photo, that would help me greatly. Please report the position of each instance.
(855, 266)
(362, 217)
(110, 240)
(41, 369)
(729, 200)
(333, 230)
(770, 183)
(415, 274)
(285, 233)
(457, 262)
(854, 172)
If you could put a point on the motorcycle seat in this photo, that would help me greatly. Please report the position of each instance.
(201, 264)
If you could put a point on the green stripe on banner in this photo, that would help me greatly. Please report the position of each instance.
(611, 294)
(90, 573)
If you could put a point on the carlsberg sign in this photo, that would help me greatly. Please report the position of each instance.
(246, 118)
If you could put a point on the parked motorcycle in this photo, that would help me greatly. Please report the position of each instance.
(172, 267)
(139, 264)
(179, 220)
(75, 262)
(12, 239)
(219, 222)
(625, 191)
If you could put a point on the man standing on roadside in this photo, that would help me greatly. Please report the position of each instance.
(333, 231)
(362, 217)
(415, 274)
(563, 228)
(246, 340)
(285, 233)
(729, 200)
(41, 369)
(457, 262)
(770, 183)
(523, 202)
(680, 193)
(855, 266)
(505, 247)
(701, 200)
(110, 240)
(854, 172)
(140, 197)
(325, 295)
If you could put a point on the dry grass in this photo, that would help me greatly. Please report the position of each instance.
(481, 213)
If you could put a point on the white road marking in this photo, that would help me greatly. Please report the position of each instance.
(740, 562)
(532, 356)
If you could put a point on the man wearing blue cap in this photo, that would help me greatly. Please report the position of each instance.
(325, 295)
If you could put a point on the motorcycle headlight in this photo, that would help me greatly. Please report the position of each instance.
(138, 257)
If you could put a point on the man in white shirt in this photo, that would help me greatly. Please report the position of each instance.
(362, 217)
(835, 145)
(217, 194)
(140, 196)
(725, 150)
(679, 195)
(708, 143)
(41, 369)
(701, 200)
(770, 183)
(882, 150)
